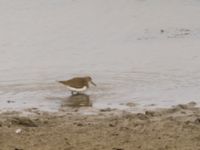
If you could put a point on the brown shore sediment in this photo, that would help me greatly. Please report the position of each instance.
(177, 128)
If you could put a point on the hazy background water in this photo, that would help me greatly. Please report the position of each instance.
(138, 51)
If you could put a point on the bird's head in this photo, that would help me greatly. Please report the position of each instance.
(89, 80)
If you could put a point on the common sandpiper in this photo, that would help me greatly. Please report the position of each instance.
(78, 84)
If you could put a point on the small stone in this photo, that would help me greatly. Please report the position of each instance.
(139, 146)
(197, 121)
(115, 134)
(130, 104)
(192, 104)
(182, 106)
(111, 125)
(78, 124)
(18, 149)
(142, 116)
(23, 121)
(106, 109)
(162, 31)
(18, 131)
(150, 113)
(9, 101)
(117, 149)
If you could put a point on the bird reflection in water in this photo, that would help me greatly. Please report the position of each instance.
(79, 100)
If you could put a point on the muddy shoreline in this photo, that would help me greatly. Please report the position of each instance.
(174, 128)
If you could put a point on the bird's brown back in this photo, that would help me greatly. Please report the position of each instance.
(77, 82)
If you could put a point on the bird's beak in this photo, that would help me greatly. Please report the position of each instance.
(93, 83)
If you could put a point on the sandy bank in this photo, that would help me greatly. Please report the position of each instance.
(175, 128)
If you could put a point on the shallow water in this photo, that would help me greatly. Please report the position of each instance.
(135, 52)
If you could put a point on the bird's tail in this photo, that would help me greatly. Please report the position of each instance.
(60, 82)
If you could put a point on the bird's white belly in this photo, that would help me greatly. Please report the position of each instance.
(77, 89)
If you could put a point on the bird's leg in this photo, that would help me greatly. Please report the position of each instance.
(76, 93)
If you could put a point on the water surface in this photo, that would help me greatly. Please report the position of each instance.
(140, 52)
